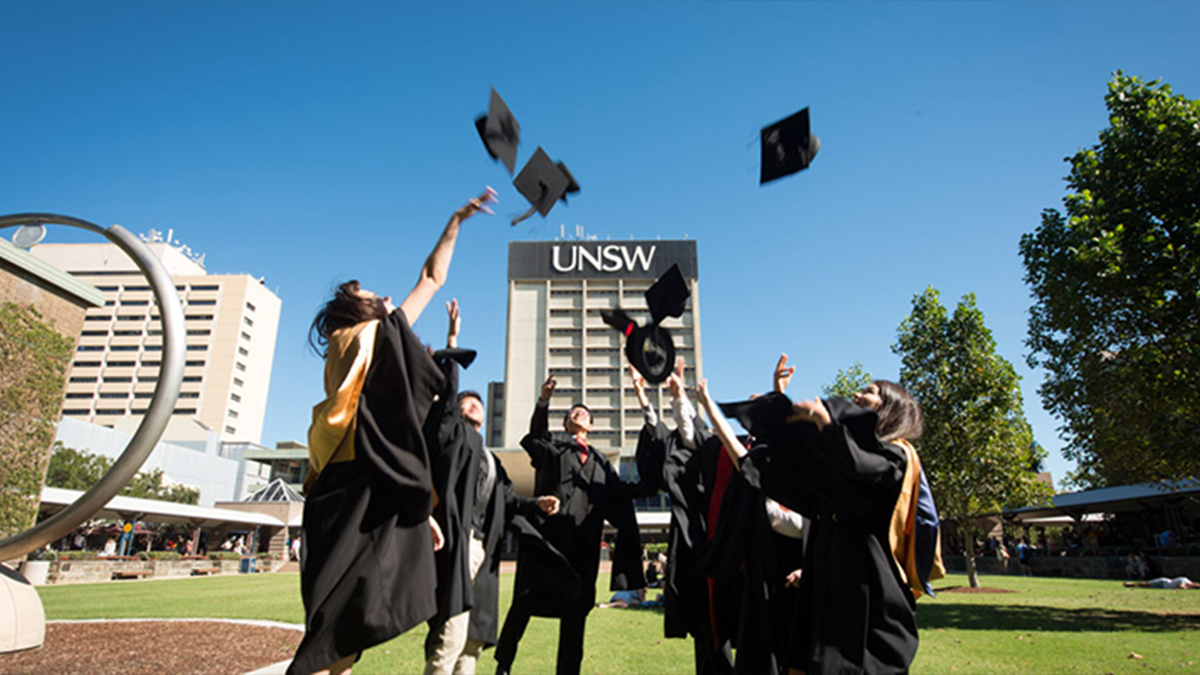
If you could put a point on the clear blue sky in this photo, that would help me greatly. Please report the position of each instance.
(311, 143)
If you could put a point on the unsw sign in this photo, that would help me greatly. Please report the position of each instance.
(599, 259)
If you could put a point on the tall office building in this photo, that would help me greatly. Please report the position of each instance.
(556, 291)
(231, 323)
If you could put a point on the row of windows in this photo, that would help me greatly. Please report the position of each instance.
(122, 411)
(138, 333)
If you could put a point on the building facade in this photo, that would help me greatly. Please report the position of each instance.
(231, 323)
(556, 291)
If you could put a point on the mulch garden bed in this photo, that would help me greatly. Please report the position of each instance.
(185, 647)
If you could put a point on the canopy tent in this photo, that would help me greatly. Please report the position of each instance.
(1079, 505)
(155, 511)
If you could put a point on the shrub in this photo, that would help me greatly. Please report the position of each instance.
(78, 555)
(164, 555)
(224, 555)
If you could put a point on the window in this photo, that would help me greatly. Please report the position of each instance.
(82, 395)
(199, 317)
(113, 394)
(154, 332)
(125, 348)
(137, 288)
(110, 411)
(86, 364)
(200, 303)
(238, 382)
(243, 351)
(192, 378)
(189, 394)
(150, 364)
(240, 366)
(75, 411)
(250, 307)
(191, 364)
(245, 336)
(154, 348)
(232, 414)
(235, 398)
(199, 331)
(230, 430)
(184, 411)
(119, 379)
(84, 379)
(134, 303)
(197, 348)
(94, 333)
(106, 288)
(138, 411)
(126, 333)
(143, 394)
(96, 318)
(147, 378)
(90, 348)
(247, 320)
(206, 288)
(120, 364)
(124, 317)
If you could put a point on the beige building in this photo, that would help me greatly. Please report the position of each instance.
(556, 291)
(231, 322)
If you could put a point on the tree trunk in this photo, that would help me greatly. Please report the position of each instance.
(972, 572)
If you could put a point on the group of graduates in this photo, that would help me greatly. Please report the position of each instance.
(800, 548)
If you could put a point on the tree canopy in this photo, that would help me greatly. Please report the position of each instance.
(79, 470)
(1116, 286)
(977, 449)
(848, 382)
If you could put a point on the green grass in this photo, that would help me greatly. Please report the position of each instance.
(1044, 626)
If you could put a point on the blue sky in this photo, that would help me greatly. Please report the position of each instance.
(310, 143)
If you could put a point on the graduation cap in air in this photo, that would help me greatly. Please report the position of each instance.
(500, 132)
(788, 146)
(543, 182)
(649, 348)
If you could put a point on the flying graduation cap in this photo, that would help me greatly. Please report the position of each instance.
(500, 132)
(543, 182)
(788, 146)
(649, 348)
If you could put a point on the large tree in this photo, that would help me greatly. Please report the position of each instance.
(977, 449)
(80, 470)
(1116, 284)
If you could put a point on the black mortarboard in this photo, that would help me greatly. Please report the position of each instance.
(787, 147)
(759, 414)
(649, 348)
(543, 182)
(500, 132)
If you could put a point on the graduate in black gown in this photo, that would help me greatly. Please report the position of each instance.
(686, 464)
(559, 556)
(849, 467)
(474, 496)
(367, 566)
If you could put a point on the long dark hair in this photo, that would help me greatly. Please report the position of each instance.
(346, 308)
(900, 414)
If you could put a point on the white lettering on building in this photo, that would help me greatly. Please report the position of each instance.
(610, 258)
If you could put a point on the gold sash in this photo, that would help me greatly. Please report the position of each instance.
(902, 534)
(331, 436)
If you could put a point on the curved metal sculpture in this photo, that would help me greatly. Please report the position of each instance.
(161, 404)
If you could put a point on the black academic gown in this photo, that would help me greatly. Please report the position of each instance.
(689, 604)
(855, 613)
(559, 556)
(456, 449)
(503, 504)
(747, 554)
(367, 568)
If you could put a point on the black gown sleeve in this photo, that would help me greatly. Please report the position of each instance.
(537, 443)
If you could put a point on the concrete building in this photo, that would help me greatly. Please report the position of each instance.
(556, 291)
(231, 323)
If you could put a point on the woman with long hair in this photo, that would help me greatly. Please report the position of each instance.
(367, 565)
(849, 467)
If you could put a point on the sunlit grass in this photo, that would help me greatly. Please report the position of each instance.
(1043, 626)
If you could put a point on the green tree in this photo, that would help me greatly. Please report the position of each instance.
(80, 470)
(33, 366)
(977, 449)
(848, 382)
(73, 469)
(1116, 286)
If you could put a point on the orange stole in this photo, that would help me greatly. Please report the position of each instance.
(902, 533)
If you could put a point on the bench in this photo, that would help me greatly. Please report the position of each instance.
(205, 570)
(131, 574)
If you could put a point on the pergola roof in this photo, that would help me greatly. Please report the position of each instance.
(1117, 499)
(155, 511)
(276, 491)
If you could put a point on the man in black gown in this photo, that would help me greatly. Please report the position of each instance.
(559, 556)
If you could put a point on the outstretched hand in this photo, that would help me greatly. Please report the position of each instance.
(813, 411)
(639, 387)
(455, 323)
(479, 203)
(783, 374)
(675, 379)
(548, 389)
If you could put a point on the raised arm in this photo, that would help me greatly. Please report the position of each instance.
(725, 432)
(538, 441)
(437, 265)
(685, 414)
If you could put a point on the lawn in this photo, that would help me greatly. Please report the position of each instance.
(1041, 626)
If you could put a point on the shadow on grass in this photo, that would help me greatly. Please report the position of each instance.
(1033, 618)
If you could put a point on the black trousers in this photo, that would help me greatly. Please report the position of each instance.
(570, 638)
